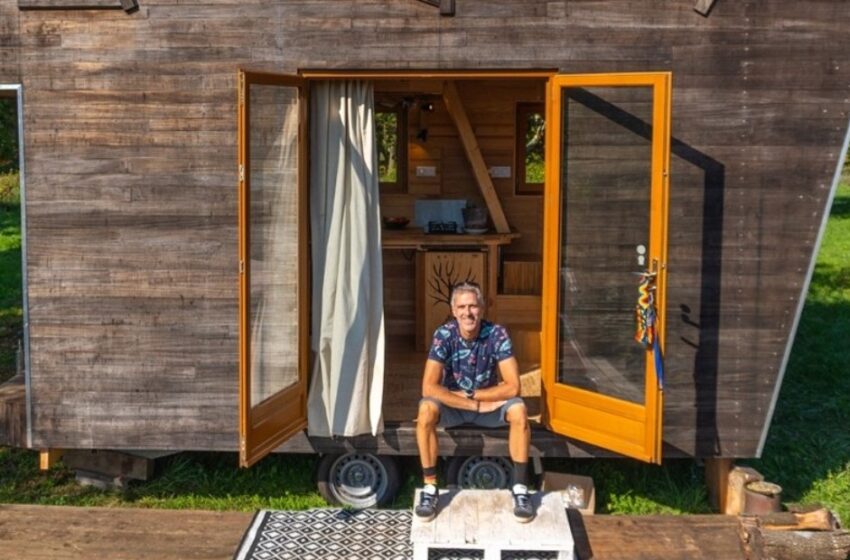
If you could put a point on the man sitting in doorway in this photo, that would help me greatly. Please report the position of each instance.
(471, 377)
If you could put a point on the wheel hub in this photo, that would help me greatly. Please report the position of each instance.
(487, 473)
(358, 480)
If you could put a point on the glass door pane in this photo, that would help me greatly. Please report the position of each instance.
(606, 180)
(605, 223)
(273, 280)
(273, 234)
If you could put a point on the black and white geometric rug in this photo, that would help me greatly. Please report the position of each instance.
(327, 534)
(335, 534)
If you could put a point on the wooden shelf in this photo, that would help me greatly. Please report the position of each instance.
(415, 238)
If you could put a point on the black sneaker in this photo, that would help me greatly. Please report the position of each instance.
(523, 510)
(426, 510)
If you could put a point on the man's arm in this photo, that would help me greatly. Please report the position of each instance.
(431, 387)
(508, 388)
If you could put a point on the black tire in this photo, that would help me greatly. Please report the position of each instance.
(487, 473)
(357, 480)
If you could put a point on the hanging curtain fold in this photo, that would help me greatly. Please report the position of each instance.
(346, 388)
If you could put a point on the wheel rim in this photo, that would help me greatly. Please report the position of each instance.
(358, 480)
(486, 473)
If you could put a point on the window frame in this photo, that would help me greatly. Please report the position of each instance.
(400, 185)
(523, 109)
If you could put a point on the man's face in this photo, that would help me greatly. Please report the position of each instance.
(467, 311)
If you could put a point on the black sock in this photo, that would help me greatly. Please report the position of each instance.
(521, 473)
(429, 475)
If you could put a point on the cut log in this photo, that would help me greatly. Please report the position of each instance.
(806, 545)
(819, 520)
(763, 543)
(739, 477)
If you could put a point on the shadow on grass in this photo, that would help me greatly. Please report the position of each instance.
(625, 486)
(840, 207)
(808, 446)
(215, 481)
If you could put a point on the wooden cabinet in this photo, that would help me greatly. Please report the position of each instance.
(437, 272)
(443, 260)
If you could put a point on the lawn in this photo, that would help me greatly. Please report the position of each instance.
(807, 452)
(11, 319)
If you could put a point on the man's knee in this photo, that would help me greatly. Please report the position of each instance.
(517, 413)
(429, 412)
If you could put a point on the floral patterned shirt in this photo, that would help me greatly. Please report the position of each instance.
(470, 365)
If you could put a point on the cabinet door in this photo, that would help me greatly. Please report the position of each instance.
(605, 221)
(273, 281)
(437, 273)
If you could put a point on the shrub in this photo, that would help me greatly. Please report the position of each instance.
(10, 188)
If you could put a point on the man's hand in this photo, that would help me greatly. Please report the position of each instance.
(489, 406)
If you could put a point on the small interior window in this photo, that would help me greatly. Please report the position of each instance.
(530, 142)
(390, 139)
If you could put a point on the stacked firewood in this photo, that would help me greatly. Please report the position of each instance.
(808, 532)
(801, 533)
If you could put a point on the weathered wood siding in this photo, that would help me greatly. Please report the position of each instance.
(10, 70)
(130, 144)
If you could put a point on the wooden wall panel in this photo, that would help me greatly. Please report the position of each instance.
(130, 130)
(491, 107)
(10, 71)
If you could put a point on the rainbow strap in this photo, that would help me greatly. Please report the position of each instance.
(646, 319)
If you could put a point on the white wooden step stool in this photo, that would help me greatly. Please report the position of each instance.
(484, 520)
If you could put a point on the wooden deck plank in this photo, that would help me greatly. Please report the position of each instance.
(60, 533)
(696, 537)
(30, 532)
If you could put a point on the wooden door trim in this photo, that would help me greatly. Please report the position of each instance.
(650, 411)
(367, 74)
(267, 425)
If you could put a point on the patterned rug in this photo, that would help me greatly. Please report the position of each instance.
(335, 534)
(327, 534)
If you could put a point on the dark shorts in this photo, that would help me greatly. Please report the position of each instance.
(451, 417)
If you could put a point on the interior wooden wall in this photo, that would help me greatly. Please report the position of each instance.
(131, 175)
(491, 107)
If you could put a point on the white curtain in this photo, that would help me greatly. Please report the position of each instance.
(346, 389)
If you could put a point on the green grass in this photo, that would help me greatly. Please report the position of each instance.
(11, 316)
(184, 481)
(807, 451)
(808, 445)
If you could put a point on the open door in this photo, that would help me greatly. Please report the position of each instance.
(273, 270)
(605, 223)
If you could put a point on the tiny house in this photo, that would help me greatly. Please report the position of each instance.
(174, 263)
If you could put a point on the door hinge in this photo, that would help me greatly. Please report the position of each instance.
(241, 173)
(241, 267)
(242, 445)
(241, 88)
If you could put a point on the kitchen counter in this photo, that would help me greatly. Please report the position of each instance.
(415, 238)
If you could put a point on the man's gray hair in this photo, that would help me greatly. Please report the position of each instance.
(467, 287)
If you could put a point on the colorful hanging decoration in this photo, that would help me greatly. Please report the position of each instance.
(646, 322)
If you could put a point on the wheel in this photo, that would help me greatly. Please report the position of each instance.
(487, 473)
(357, 480)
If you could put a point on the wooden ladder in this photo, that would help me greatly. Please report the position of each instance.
(483, 520)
